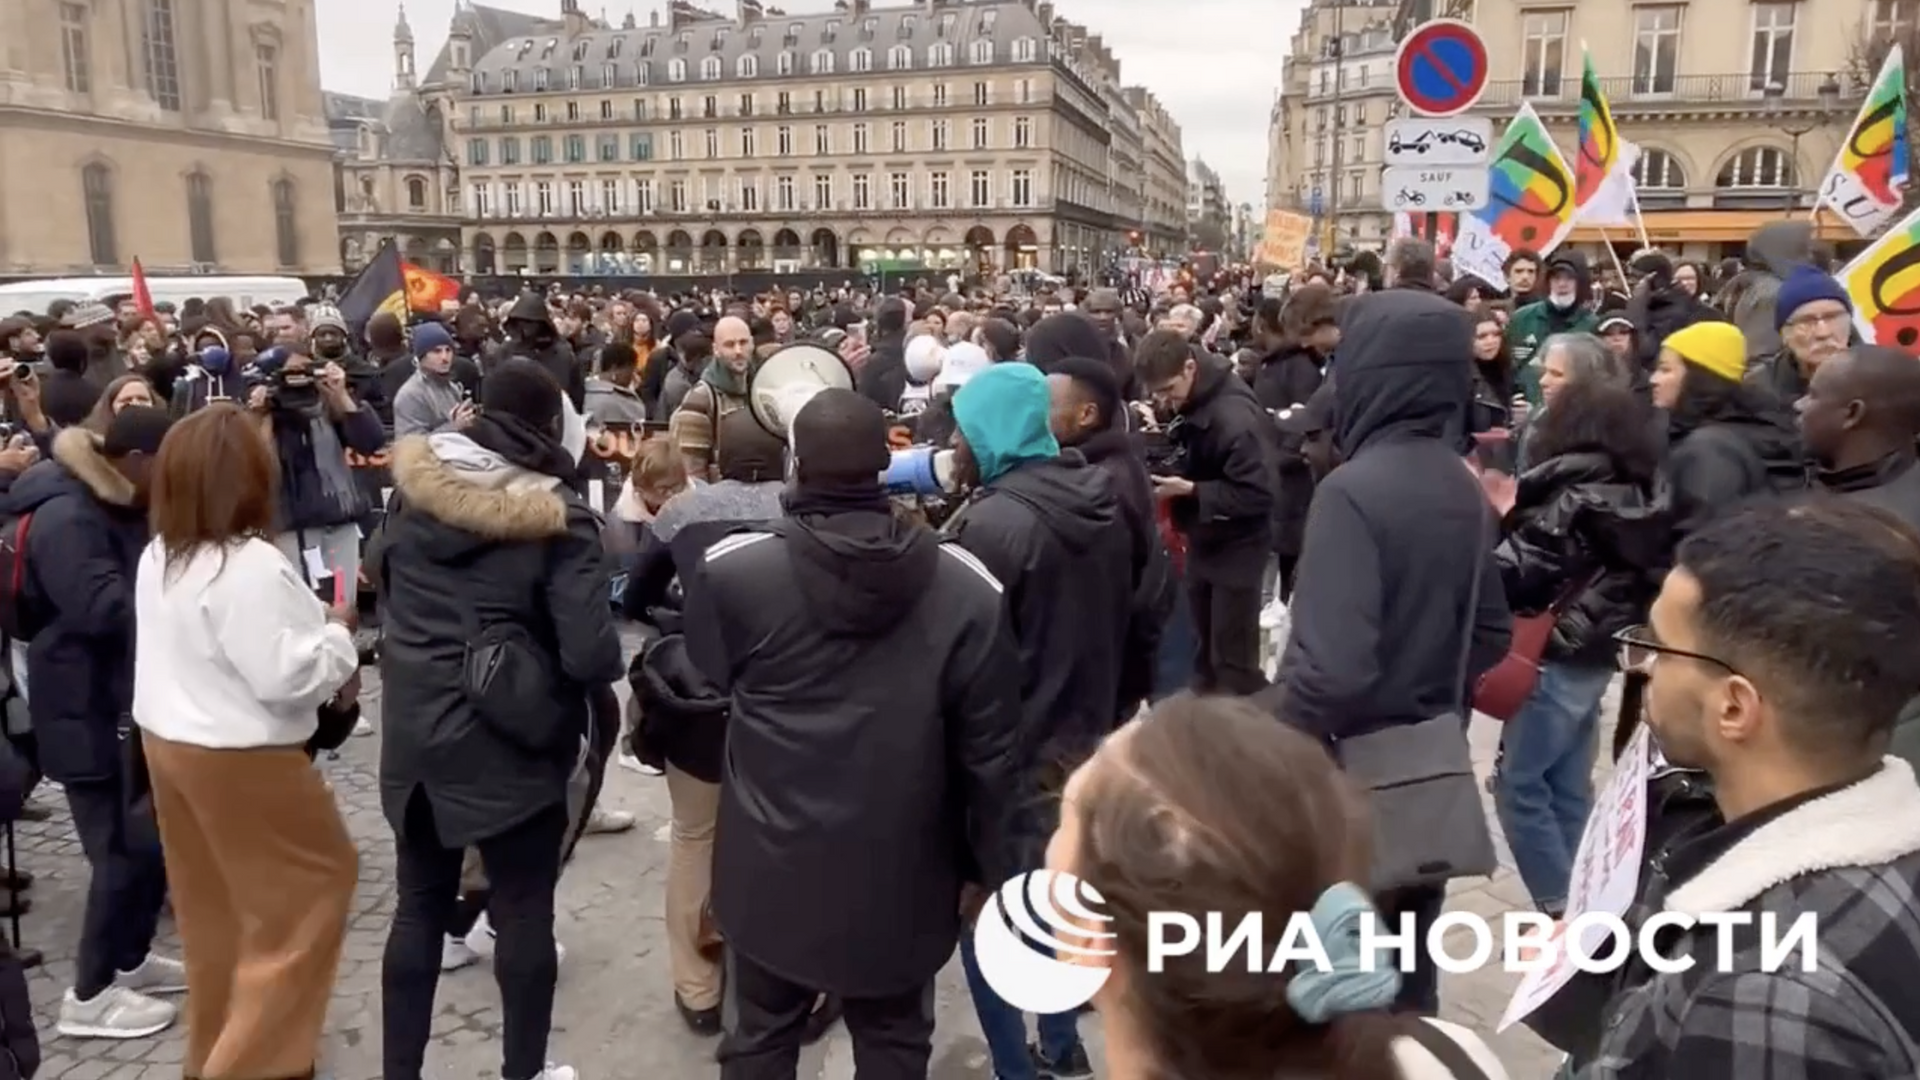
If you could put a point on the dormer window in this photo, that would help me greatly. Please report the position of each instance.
(609, 74)
(576, 77)
(642, 73)
(982, 51)
(510, 81)
(525, 48)
(792, 36)
(860, 61)
(830, 31)
(822, 62)
(945, 27)
(680, 43)
(784, 65)
(940, 54)
(677, 70)
(540, 79)
(614, 47)
(479, 83)
(1024, 50)
(747, 66)
(987, 19)
(719, 39)
(580, 49)
(754, 34)
(867, 27)
(546, 51)
(907, 24)
(646, 47)
(899, 58)
(710, 68)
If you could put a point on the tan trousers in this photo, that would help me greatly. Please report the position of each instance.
(691, 940)
(262, 873)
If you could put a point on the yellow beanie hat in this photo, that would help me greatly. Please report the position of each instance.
(1717, 347)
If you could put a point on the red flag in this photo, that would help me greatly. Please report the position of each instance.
(142, 298)
(426, 289)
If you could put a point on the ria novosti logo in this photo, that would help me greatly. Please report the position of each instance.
(1031, 929)
(1033, 912)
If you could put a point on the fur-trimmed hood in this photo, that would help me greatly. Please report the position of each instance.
(84, 455)
(1866, 824)
(456, 481)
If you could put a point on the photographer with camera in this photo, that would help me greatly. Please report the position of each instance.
(1220, 491)
(313, 420)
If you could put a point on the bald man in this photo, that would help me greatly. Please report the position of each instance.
(695, 426)
(1859, 420)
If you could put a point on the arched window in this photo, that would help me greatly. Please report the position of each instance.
(1024, 50)
(784, 65)
(710, 68)
(861, 60)
(286, 226)
(200, 216)
(1757, 167)
(747, 67)
(940, 55)
(677, 70)
(1658, 170)
(982, 51)
(416, 193)
(822, 62)
(96, 182)
(899, 58)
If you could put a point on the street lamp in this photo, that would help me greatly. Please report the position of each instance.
(1774, 96)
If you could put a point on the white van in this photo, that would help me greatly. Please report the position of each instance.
(244, 292)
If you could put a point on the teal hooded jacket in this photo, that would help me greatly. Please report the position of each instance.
(1002, 413)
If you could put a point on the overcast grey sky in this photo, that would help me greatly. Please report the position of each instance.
(1214, 63)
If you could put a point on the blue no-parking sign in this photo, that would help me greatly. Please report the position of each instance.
(1441, 68)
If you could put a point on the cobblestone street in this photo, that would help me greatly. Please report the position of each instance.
(614, 1018)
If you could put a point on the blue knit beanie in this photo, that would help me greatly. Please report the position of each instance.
(1804, 285)
(429, 336)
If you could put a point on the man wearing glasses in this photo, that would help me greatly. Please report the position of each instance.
(1815, 318)
(1780, 651)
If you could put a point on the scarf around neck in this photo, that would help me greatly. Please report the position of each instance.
(522, 444)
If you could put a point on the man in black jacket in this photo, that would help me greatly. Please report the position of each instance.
(532, 335)
(1394, 540)
(884, 376)
(1089, 416)
(869, 763)
(1859, 421)
(1222, 502)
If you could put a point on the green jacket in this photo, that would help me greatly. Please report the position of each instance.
(1533, 325)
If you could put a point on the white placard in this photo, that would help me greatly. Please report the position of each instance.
(1606, 872)
(1441, 190)
(1431, 142)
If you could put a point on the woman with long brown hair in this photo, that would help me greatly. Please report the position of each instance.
(235, 656)
(1209, 808)
(125, 392)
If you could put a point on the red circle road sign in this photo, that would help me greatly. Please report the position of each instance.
(1441, 67)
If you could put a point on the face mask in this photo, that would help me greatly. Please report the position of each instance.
(1563, 296)
(333, 350)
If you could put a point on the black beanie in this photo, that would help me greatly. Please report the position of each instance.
(67, 351)
(840, 436)
(136, 429)
(523, 388)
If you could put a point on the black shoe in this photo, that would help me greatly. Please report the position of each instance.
(702, 1022)
(825, 1015)
(29, 958)
(1074, 1067)
(16, 879)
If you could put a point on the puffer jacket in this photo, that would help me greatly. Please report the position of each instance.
(1580, 524)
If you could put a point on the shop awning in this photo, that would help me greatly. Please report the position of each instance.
(1705, 227)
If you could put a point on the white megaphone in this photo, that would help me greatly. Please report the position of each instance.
(783, 383)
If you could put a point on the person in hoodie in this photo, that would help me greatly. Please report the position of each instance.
(1050, 529)
(883, 378)
(1562, 309)
(532, 335)
(870, 763)
(67, 393)
(662, 361)
(1658, 308)
(1858, 421)
(1221, 501)
(1727, 440)
(612, 396)
(486, 543)
(210, 373)
(1295, 341)
(1750, 296)
(1089, 416)
(1056, 337)
(86, 519)
(1394, 542)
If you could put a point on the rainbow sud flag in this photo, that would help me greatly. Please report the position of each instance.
(1603, 166)
(1530, 202)
(1868, 180)
(1884, 285)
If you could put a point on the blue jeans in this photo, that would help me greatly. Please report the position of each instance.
(1006, 1027)
(1179, 647)
(1545, 784)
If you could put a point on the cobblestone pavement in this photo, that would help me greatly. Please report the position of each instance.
(614, 1018)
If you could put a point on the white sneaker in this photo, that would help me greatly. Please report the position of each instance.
(481, 939)
(633, 764)
(557, 1072)
(114, 1013)
(604, 820)
(455, 954)
(156, 975)
(363, 726)
(1274, 615)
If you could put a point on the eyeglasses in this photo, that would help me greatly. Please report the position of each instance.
(1639, 648)
(1820, 320)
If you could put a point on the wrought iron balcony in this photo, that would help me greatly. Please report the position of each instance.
(1800, 91)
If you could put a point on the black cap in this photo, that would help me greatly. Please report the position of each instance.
(1309, 417)
(136, 429)
(841, 436)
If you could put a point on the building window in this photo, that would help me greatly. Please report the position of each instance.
(482, 199)
(1022, 133)
(982, 51)
(1893, 20)
(940, 55)
(640, 148)
(540, 79)
(674, 109)
(96, 183)
(710, 68)
(609, 148)
(862, 191)
(939, 95)
(822, 140)
(1545, 49)
(1024, 50)
(576, 149)
(899, 136)
(676, 151)
(510, 194)
(783, 104)
(576, 198)
(899, 58)
(1658, 170)
(939, 191)
(477, 151)
(643, 196)
(1772, 43)
(783, 140)
(982, 94)
(900, 97)
(860, 139)
(1656, 48)
(709, 107)
(543, 198)
(749, 195)
(783, 193)
(937, 134)
(266, 65)
(784, 64)
(200, 217)
(822, 190)
(747, 143)
(713, 143)
(860, 99)
(677, 70)
(74, 48)
(510, 151)
(509, 81)
(573, 111)
(286, 224)
(747, 66)
(677, 196)
(861, 61)
(162, 55)
(416, 193)
(606, 109)
(822, 62)
(980, 189)
(1023, 91)
(980, 138)
(746, 104)
(1022, 188)
(899, 189)
(1757, 167)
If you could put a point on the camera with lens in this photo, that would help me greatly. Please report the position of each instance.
(1165, 451)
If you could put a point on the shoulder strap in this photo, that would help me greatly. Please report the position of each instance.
(1453, 1057)
(1482, 542)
